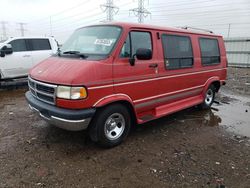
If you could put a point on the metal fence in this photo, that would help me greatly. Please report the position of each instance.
(238, 52)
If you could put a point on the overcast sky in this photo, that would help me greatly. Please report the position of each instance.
(61, 17)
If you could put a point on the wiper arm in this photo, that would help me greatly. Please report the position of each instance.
(75, 53)
(58, 51)
(71, 52)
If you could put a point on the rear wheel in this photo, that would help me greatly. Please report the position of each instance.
(209, 97)
(111, 125)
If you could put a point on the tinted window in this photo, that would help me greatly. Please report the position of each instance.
(177, 51)
(40, 44)
(140, 40)
(125, 52)
(210, 53)
(18, 45)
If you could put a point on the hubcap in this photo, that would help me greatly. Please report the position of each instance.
(114, 126)
(209, 97)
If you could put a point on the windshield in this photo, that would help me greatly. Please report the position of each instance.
(93, 40)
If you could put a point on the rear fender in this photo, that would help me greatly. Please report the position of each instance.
(209, 82)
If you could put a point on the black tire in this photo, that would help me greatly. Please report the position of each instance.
(208, 98)
(110, 126)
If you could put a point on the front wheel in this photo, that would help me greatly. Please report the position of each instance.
(111, 125)
(208, 98)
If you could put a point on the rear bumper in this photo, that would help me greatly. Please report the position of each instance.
(73, 120)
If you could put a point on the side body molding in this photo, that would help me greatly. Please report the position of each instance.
(113, 98)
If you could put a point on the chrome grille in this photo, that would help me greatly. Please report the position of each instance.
(42, 91)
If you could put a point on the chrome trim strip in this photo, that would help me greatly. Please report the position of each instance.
(98, 87)
(41, 83)
(152, 79)
(43, 116)
(69, 121)
(112, 96)
(43, 93)
(170, 93)
(155, 96)
(72, 125)
(171, 97)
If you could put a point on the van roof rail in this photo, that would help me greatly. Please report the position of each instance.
(195, 28)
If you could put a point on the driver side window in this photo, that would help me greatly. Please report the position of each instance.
(136, 40)
(18, 45)
(125, 52)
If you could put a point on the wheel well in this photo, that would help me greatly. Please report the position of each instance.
(128, 106)
(216, 84)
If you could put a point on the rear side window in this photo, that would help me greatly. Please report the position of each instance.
(39, 44)
(210, 53)
(178, 51)
(18, 45)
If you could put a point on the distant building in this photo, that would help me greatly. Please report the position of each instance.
(238, 51)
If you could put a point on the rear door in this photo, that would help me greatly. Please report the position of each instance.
(18, 63)
(138, 81)
(41, 50)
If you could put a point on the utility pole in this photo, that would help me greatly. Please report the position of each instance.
(50, 23)
(22, 30)
(4, 32)
(228, 31)
(110, 9)
(140, 11)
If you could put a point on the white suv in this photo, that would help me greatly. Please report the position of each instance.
(19, 54)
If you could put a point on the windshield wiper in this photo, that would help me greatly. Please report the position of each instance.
(72, 52)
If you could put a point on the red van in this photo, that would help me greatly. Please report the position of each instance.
(108, 77)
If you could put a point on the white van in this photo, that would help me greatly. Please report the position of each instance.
(19, 54)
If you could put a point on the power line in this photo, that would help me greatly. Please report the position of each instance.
(202, 3)
(63, 11)
(140, 11)
(110, 9)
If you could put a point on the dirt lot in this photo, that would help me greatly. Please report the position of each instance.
(191, 148)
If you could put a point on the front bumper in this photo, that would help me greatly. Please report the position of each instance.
(73, 120)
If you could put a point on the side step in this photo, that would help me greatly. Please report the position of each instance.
(170, 108)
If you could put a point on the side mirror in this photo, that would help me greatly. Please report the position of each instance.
(5, 50)
(141, 54)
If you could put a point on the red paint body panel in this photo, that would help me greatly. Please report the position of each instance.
(150, 91)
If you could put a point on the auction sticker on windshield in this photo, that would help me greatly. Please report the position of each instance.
(104, 42)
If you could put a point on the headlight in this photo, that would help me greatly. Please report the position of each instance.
(66, 92)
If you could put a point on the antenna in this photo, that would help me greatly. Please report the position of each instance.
(140, 11)
(110, 9)
(200, 29)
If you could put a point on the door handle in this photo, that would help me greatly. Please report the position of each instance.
(26, 55)
(153, 65)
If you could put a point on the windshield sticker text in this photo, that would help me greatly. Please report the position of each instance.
(104, 42)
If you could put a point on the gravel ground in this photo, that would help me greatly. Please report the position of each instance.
(191, 148)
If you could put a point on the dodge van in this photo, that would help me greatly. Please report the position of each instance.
(19, 54)
(108, 77)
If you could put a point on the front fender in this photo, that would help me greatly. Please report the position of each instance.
(113, 98)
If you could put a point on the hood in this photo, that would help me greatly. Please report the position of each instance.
(72, 71)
